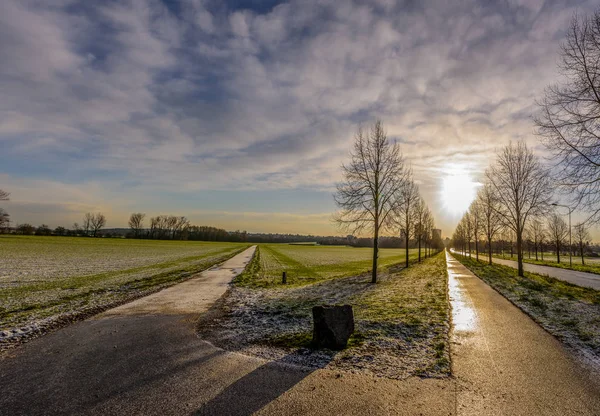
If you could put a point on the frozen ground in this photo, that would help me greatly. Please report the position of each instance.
(49, 281)
(402, 322)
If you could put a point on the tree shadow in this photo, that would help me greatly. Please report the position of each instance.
(257, 389)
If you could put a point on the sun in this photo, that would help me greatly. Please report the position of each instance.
(458, 189)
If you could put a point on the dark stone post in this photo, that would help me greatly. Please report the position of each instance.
(333, 326)
(284, 278)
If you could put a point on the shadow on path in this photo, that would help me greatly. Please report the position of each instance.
(256, 389)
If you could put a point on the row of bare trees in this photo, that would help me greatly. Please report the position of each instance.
(179, 228)
(162, 227)
(543, 233)
(569, 127)
(91, 225)
(555, 232)
(379, 195)
(515, 199)
(516, 190)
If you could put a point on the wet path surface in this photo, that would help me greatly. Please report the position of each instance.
(573, 276)
(506, 364)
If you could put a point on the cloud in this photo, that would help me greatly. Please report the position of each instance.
(142, 97)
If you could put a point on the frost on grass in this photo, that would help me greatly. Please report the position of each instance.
(401, 323)
(569, 312)
(27, 259)
(49, 281)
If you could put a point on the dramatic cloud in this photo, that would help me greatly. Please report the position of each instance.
(150, 105)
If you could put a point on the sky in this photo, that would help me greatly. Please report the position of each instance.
(238, 114)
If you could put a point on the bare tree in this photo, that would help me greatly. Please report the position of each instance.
(153, 227)
(428, 226)
(468, 221)
(569, 123)
(522, 187)
(491, 220)
(368, 195)
(4, 195)
(405, 210)
(4, 219)
(558, 230)
(87, 223)
(476, 217)
(459, 237)
(97, 221)
(180, 228)
(160, 226)
(582, 236)
(543, 236)
(538, 234)
(136, 223)
(419, 223)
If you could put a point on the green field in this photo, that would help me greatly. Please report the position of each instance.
(306, 264)
(42, 278)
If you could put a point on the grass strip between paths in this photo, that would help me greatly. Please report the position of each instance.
(402, 322)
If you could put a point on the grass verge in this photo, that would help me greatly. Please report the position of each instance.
(570, 312)
(401, 323)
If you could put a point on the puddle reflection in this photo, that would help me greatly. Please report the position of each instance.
(463, 314)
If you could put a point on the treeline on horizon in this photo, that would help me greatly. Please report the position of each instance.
(165, 227)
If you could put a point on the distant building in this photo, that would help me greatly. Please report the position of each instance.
(437, 233)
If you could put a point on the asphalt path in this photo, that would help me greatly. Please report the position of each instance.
(505, 363)
(572, 276)
(144, 358)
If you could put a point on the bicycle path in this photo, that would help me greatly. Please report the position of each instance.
(572, 276)
(505, 363)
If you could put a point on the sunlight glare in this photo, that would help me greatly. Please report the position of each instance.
(458, 189)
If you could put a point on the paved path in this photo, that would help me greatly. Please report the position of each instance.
(579, 278)
(144, 358)
(506, 364)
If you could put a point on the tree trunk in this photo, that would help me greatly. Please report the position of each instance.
(407, 239)
(536, 251)
(490, 250)
(519, 254)
(419, 243)
(477, 249)
(375, 255)
(581, 251)
(558, 252)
